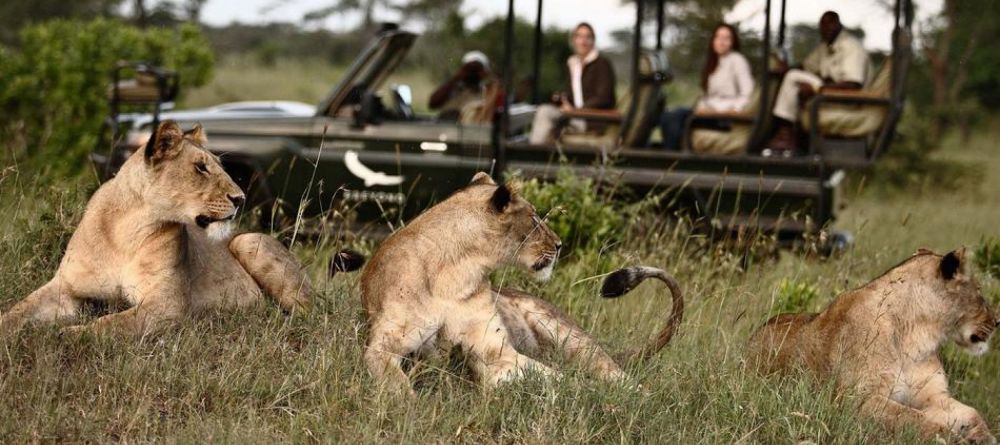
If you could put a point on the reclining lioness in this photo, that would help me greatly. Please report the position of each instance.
(881, 341)
(156, 236)
(428, 284)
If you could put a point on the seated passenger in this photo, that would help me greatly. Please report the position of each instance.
(726, 81)
(838, 62)
(591, 85)
(465, 89)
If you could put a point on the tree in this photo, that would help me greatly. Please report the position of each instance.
(960, 47)
(366, 7)
(14, 14)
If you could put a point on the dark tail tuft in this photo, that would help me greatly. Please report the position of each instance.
(346, 260)
(621, 282)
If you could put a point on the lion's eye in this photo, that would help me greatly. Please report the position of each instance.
(201, 167)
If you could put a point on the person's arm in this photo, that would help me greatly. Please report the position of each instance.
(603, 95)
(440, 96)
(854, 68)
(744, 83)
(812, 62)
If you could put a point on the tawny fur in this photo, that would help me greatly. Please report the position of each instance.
(427, 286)
(881, 342)
(428, 281)
(144, 238)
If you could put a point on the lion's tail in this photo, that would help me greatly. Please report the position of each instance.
(346, 260)
(621, 281)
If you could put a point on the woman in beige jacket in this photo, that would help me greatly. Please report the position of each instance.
(726, 81)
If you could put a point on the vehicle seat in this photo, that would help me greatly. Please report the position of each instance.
(144, 87)
(726, 141)
(854, 113)
(631, 126)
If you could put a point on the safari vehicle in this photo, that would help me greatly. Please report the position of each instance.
(383, 162)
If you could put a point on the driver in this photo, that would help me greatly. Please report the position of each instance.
(838, 62)
(461, 95)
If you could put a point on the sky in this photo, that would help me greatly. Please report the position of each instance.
(605, 15)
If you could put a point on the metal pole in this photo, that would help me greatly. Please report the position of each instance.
(659, 25)
(762, 111)
(636, 49)
(781, 26)
(536, 68)
(502, 128)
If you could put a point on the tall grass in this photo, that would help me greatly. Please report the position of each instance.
(260, 376)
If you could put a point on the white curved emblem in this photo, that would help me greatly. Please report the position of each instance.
(371, 177)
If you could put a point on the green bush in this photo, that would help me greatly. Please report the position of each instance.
(988, 257)
(909, 164)
(795, 296)
(54, 85)
(580, 211)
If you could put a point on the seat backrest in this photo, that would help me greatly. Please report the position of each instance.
(881, 83)
(642, 115)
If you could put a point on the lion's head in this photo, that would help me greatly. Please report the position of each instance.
(974, 319)
(185, 182)
(526, 240)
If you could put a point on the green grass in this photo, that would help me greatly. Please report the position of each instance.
(262, 377)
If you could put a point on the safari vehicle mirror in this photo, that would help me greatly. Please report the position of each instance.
(405, 94)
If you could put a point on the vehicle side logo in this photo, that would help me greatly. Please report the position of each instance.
(371, 177)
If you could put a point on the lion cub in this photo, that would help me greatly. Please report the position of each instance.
(429, 280)
(156, 236)
(428, 283)
(882, 342)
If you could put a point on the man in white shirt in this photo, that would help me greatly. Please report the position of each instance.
(838, 62)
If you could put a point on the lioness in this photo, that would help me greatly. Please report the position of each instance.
(156, 236)
(882, 340)
(428, 283)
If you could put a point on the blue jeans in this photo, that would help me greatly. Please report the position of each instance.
(672, 127)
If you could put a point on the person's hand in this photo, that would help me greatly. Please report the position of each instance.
(781, 67)
(558, 98)
(806, 91)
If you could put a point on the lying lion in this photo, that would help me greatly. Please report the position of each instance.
(156, 236)
(882, 341)
(428, 284)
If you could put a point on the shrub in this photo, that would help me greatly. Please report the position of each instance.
(54, 85)
(909, 164)
(795, 296)
(581, 212)
(988, 257)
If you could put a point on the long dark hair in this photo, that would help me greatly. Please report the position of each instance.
(712, 60)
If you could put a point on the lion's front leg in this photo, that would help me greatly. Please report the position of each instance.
(49, 303)
(476, 325)
(931, 396)
(274, 269)
(555, 331)
(157, 282)
(159, 302)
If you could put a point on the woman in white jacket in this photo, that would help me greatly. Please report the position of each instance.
(726, 81)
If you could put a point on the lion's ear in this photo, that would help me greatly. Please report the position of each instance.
(197, 134)
(953, 264)
(501, 198)
(164, 143)
(482, 178)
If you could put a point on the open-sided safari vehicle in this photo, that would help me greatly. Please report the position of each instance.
(382, 162)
